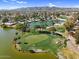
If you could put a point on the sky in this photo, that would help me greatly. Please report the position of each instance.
(13, 4)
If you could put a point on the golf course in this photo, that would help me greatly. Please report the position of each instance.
(7, 50)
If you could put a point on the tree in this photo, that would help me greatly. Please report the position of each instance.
(5, 20)
(19, 26)
(77, 36)
(19, 18)
(70, 23)
(4, 26)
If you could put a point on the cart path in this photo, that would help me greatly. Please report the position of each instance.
(71, 44)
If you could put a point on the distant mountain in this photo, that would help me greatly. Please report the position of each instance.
(46, 9)
(32, 9)
(36, 8)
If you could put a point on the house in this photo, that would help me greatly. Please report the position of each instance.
(8, 24)
(59, 21)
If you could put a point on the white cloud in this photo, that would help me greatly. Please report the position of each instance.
(51, 5)
(5, 1)
(12, 7)
(76, 6)
(21, 2)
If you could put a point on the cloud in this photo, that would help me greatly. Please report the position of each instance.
(13, 7)
(5, 1)
(76, 6)
(19, 2)
(51, 5)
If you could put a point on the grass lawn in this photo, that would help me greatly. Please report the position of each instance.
(50, 43)
(32, 39)
(60, 28)
(41, 41)
(35, 38)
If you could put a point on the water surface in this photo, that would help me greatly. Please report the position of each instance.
(7, 50)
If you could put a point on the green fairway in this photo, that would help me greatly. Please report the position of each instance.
(32, 40)
(50, 43)
(41, 41)
(35, 38)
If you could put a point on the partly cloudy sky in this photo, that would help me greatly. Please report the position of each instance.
(12, 4)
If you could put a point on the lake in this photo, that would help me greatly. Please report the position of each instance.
(7, 51)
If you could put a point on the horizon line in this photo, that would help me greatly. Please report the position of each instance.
(34, 7)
